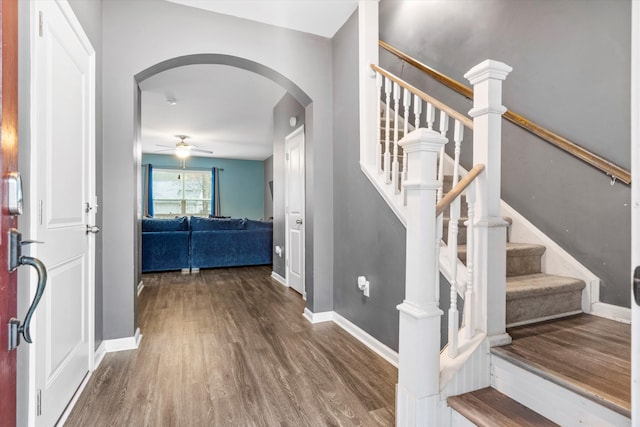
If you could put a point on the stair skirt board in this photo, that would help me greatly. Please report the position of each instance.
(557, 403)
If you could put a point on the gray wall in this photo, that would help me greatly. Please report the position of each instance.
(571, 61)
(369, 238)
(284, 109)
(138, 35)
(268, 191)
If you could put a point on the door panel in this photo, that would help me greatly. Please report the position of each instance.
(64, 94)
(294, 147)
(8, 163)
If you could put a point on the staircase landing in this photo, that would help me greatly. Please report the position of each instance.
(588, 355)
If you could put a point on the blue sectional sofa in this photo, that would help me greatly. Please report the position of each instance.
(209, 243)
(165, 244)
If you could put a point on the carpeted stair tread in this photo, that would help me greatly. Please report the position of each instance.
(488, 407)
(541, 284)
(535, 297)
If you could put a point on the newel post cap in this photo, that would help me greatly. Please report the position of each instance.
(422, 139)
(489, 69)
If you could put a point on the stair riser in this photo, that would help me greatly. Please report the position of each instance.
(543, 396)
(533, 308)
(516, 265)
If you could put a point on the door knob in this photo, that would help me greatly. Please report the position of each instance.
(298, 221)
(93, 229)
(636, 284)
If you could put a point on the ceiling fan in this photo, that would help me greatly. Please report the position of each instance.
(182, 149)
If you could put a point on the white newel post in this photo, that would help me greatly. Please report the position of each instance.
(489, 259)
(419, 353)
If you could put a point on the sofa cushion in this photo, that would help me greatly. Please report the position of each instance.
(252, 224)
(208, 224)
(158, 224)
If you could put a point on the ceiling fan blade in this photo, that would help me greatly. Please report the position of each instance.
(201, 150)
(166, 149)
(168, 146)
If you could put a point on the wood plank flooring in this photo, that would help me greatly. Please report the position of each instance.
(229, 347)
(488, 407)
(586, 354)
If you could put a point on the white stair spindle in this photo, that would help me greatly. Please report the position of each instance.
(444, 127)
(431, 115)
(469, 306)
(378, 150)
(406, 103)
(387, 135)
(417, 110)
(395, 164)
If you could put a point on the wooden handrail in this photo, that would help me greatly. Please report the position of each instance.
(466, 121)
(611, 169)
(458, 189)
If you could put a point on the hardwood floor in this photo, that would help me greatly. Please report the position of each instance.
(229, 347)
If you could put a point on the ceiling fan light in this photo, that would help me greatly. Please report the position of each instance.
(182, 152)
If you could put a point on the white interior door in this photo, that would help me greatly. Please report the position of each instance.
(635, 212)
(294, 209)
(63, 70)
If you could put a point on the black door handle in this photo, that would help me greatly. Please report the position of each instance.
(16, 259)
(636, 285)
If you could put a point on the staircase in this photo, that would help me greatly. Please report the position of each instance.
(554, 365)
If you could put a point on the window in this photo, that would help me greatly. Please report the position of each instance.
(181, 192)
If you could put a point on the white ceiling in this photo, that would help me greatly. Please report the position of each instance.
(224, 109)
(321, 17)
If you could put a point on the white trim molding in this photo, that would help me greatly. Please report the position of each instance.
(122, 344)
(364, 337)
(278, 278)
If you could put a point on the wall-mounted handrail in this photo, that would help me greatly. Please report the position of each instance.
(611, 169)
(428, 98)
(458, 189)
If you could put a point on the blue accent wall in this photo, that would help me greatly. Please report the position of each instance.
(241, 182)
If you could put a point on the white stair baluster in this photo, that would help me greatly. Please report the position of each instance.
(417, 110)
(406, 103)
(395, 164)
(444, 127)
(387, 135)
(468, 295)
(431, 115)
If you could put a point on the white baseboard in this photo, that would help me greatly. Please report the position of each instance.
(325, 316)
(278, 278)
(373, 344)
(140, 288)
(99, 355)
(122, 344)
(611, 312)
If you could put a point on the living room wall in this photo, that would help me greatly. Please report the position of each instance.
(241, 182)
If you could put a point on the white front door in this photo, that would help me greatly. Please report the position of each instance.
(63, 189)
(294, 209)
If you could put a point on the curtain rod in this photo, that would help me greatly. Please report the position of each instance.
(180, 167)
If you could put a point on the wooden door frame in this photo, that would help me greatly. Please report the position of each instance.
(635, 204)
(287, 246)
(9, 163)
